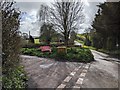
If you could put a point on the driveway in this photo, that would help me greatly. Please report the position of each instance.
(48, 73)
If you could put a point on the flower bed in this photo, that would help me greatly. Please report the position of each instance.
(73, 54)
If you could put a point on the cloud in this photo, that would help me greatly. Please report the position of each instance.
(85, 2)
(29, 21)
(90, 9)
(28, 6)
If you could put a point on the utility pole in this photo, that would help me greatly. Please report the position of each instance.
(29, 34)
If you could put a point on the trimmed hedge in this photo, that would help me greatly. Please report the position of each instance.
(73, 54)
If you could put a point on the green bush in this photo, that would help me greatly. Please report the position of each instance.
(11, 45)
(73, 54)
(60, 56)
(15, 79)
(79, 54)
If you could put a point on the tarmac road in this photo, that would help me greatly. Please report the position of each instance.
(48, 73)
(102, 73)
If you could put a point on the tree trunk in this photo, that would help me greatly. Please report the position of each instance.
(66, 40)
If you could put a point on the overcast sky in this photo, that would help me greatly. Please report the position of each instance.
(29, 21)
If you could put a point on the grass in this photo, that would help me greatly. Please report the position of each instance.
(81, 36)
(80, 41)
(84, 46)
(89, 47)
(73, 54)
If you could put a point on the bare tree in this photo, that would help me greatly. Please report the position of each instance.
(67, 17)
(43, 13)
(46, 27)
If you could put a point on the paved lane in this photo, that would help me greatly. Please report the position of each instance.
(102, 73)
(48, 73)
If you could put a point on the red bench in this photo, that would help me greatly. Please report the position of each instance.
(45, 48)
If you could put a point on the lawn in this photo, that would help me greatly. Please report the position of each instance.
(80, 41)
(89, 47)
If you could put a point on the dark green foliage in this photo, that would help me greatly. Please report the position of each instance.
(73, 54)
(80, 54)
(107, 26)
(97, 41)
(47, 33)
(60, 56)
(11, 39)
(87, 42)
(34, 52)
(11, 46)
(87, 36)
